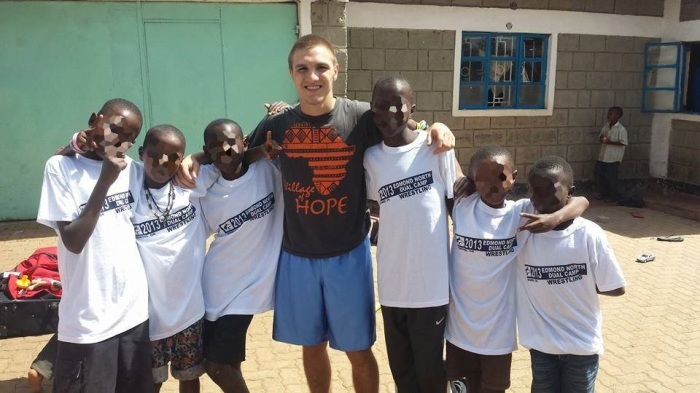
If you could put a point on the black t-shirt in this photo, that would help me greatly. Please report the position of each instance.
(325, 198)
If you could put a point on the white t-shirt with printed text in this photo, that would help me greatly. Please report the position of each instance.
(557, 273)
(481, 316)
(245, 215)
(173, 255)
(411, 183)
(105, 292)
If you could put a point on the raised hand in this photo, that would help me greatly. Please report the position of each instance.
(84, 140)
(463, 187)
(272, 149)
(111, 167)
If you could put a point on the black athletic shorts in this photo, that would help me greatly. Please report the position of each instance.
(118, 364)
(224, 339)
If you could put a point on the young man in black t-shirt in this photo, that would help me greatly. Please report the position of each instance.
(324, 288)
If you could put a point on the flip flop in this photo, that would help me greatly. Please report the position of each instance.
(670, 238)
(637, 214)
(646, 257)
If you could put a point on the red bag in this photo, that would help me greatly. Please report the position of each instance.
(42, 269)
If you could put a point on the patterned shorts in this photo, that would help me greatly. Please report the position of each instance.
(183, 351)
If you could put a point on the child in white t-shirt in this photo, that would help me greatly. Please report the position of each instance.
(244, 210)
(172, 240)
(480, 328)
(103, 318)
(560, 275)
(413, 187)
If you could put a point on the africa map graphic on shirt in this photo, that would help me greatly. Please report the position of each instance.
(325, 150)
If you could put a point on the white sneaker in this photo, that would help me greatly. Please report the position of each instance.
(456, 387)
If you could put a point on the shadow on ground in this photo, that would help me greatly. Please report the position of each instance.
(20, 230)
(620, 220)
(20, 385)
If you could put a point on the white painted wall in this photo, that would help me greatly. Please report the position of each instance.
(672, 30)
(393, 16)
(304, 15)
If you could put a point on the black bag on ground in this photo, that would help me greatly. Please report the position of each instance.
(632, 201)
(30, 317)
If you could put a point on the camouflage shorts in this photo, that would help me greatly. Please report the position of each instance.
(183, 351)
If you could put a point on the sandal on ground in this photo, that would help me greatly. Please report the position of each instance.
(646, 257)
(670, 238)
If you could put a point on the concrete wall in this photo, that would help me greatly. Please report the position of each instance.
(328, 21)
(621, 7)
(593, 73)
(690, 10)
(587, 78)
(684, 152)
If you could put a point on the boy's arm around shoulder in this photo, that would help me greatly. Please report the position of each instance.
(442, 136)
(372, 192)
(463, 187)
(539, 223)
(206, 177)
(439, 134)
(451, 173)
(186, 175)
(75, 234)
(575, 208)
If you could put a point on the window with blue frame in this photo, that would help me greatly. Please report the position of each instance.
(503, 71)
(671, 77)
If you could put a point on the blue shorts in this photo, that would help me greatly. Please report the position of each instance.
(326, 299)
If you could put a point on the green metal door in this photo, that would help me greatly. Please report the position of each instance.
(181, 63)
(185, 75)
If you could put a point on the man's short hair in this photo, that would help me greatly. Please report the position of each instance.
(310, 41)
(554, 164)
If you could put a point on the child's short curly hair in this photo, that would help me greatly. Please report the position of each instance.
(554, 164)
